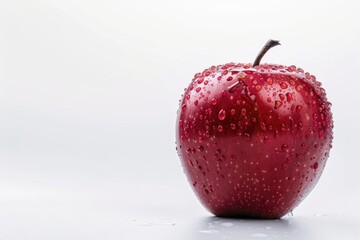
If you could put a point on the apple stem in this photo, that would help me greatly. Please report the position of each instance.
(269, 44)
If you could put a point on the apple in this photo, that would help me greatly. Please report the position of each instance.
(253, 139)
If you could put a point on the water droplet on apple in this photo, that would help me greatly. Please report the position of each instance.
(316, 165)
(281, 96)
(243, 112)
(220, 128)
(213, 101)
(277, 104)
(222, 114)
(269, 81)
(283, 85)
(263, 126)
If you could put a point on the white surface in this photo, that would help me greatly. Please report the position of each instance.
(88, 98)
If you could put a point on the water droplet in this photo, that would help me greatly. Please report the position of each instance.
(258, 87)
(232, 111)
(298, 88)
(213, 101)
(206, 82)
(200, 140)
(243, 112)
(288, 97)
(263, 126)
(182, 138)
(222, 114)
(220, 128)
(200, 148)
(281, 96)
(198, 89)
(183, 107)
(229, 78)
(232, 126)
(316, 165)
(269, 81)
(277, 104)
(298, 108)
(283, 85)
(241, 75)
(196, 102)
(268, 100)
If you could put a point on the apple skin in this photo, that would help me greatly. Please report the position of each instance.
(253, 141)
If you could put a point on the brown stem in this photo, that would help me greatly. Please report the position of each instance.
(269, 44)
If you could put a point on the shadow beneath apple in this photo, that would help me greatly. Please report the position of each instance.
(289, 227)
(229, 228)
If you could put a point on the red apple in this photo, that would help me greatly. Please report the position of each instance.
(253, 139)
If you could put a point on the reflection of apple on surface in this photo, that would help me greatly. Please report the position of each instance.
(253, 139)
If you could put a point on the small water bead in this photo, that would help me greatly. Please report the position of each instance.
(196, 102)
(241, 75)
(281, 96)
(206, 82)
(229, 78)
(298, 108)
(232, 126)
(278, 104)
(183, 107)
(258, 87)
(288, 97)
(213, 101)
(222, 114)
(232, 111)
(220, 128)
(263, 126)
(243, 112)
(268, 100)
(316, 165)
(270, 81)
(198, 89)
(200, 140)
(200, 80)
(283, 85)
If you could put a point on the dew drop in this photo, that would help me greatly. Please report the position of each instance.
(277, 104)
(232, 111)
(283, 85)
(263, 126)
(316, 165)
(269, 81)
(241, 75)
(213, 101)
(222, 114)
(298, 108)
(281, 96)
(258, 87)
(243, 112)
(232, 126)
(198, 89)
(288, 97)
(220, 128)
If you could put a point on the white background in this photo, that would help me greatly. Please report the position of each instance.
(88, 97)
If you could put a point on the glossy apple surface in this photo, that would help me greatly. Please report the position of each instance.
(253, 141)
